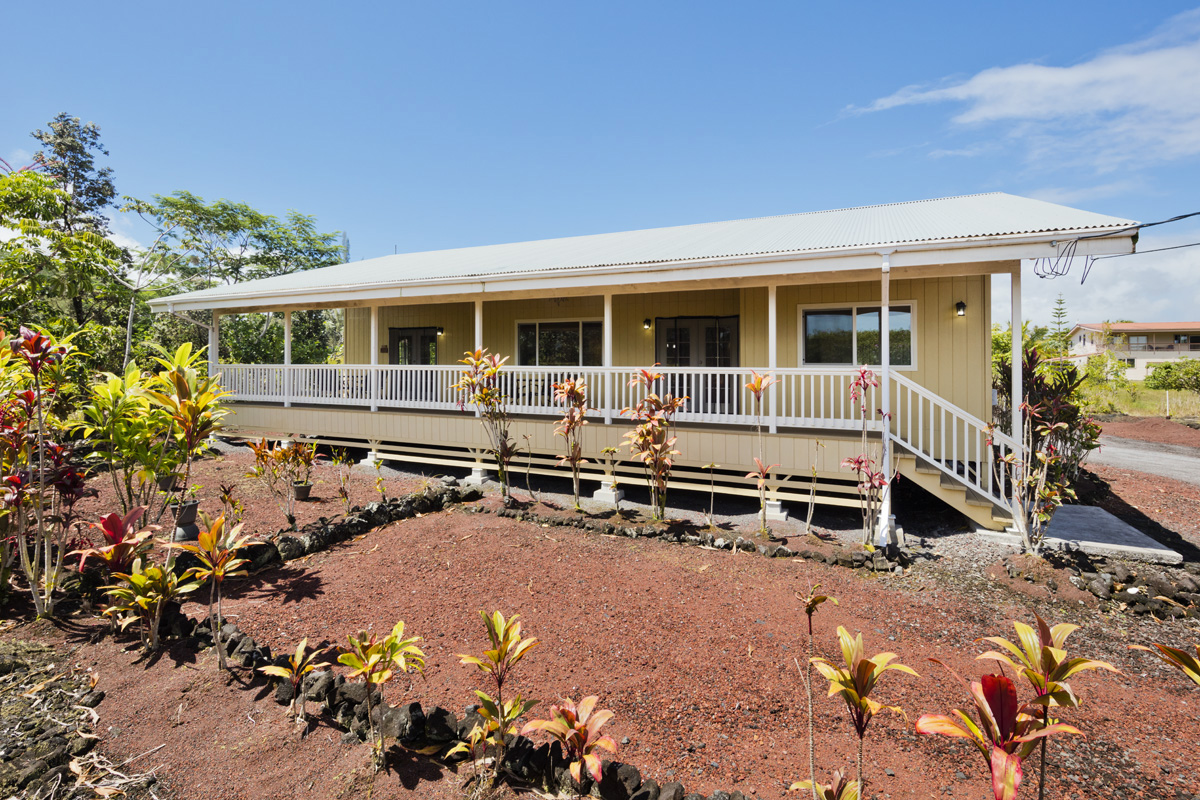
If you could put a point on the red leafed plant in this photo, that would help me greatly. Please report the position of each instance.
(124, 541)
(872, 480)
(1006, 734)
(577, 728)
(652, 440)
(573, 395)
(758, 386)
(479, 385)
(762, 472)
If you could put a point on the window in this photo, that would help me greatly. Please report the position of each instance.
(696, 341)
(560, 344)
(852, 335)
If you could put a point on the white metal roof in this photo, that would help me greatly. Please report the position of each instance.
(963, 219)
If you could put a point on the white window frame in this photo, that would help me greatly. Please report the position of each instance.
(854, 307)
(579, 320)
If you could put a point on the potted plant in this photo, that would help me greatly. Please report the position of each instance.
(300, 465)
(184, 511)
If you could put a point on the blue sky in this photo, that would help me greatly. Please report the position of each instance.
(420, 126)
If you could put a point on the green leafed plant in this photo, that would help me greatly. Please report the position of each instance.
(146, 591)
(758, 386)
(272, 470)
(855, 682)
(479, 385)
(1005, 735)
(342, 463)
(842, 788)
(217, 548)
(577, 728)
(812, 601)
(1041, 656)
(652, 440)
(300, 664)
(1181, 660)
(573, 396)
(378, 661)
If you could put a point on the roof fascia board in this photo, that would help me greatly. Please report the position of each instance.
(924, 254)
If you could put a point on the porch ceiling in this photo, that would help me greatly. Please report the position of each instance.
(959, 232)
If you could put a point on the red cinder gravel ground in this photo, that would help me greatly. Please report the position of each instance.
(1152, 429)
(693, 649)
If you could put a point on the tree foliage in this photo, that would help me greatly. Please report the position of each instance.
(1181, 375)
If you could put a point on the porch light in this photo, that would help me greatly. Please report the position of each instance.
(646, 323)
(441, 331)
(961, 308)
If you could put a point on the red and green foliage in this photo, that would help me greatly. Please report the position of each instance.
(124, 542)
(1181, 660)
(652, 440)
(573, 396)
(812, 601)
(217, 549)
(1005, 735)
(872, 479)
(758, 386)
(273, 470)
(377, 661)
(300, 664)
(146, 591)
(343, 463)
(842, 788)
(479, 385)
(577, 728)
(855, 682)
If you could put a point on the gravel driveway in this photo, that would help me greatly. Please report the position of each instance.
(1177, 461)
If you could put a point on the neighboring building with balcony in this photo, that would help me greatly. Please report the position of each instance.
(1140, 344)
(903, 288)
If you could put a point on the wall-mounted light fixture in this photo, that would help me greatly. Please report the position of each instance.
(960, 308)
(441, 331)
(646, 323)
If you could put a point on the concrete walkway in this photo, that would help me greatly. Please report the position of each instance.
(1176, 461)
(1096, 532)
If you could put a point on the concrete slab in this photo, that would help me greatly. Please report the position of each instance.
(1096, 532)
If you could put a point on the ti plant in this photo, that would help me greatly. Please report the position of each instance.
(479, 385)
(812, 601)
(872, 480)
(610, 454)
(758, 386)
(299, 665)
(380, 484)
(842, 788)
(572, 394)
(217, 548)
(124, 542)
(710, 520)
(147, 590)
(577, 729)
(231, 507)
(1181, 660)
(812, 493)
(855, 682)
(1041, 656)
(342, 463)
(499, 715)
(1037, 482)
(378, 661)
(271, 470)
(1006, 734)
(652, 440)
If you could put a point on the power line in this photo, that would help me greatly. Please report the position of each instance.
(1060, 264)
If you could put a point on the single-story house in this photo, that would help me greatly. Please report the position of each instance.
(1140, 344)
(800, 296)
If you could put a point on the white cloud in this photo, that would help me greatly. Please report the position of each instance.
(1136, 104)
(1149, 287)
(1070, 196)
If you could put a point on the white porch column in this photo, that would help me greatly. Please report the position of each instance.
(1018, 359)
(607, 359)
(478, 324)
(214, 349)
(884, 526)
(374, 358)
(772, 358)
(287, 358)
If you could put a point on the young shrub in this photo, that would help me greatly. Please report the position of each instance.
(300, 664)
(217, 550)
(1179, 659)
(573, 395)
(231, 507)
(147, 590)
(272, 471)
(610, 468)
(762, 472)
(1006, 734)
(812, 601)
(856, 681)
(124, 542)
(758, 386)
(872, 481)
(710, 519)
(1041, 656)
(812, 494)
(842, 788)
(499, 715)
(342, 463)
(577, 729)
(380, 486)
(1038, 485)
(652, 439)
(378, 661)
(480, 386)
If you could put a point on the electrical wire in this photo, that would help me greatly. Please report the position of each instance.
(1060, 264)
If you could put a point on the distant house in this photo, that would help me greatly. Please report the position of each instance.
(903, 288)
(1140, 344)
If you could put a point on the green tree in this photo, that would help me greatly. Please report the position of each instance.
(1058, 339)
(1181, 375)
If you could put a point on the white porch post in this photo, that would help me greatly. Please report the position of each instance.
(214, 349)
(607, 359)
(478, 324)
(884, 527)
(287, 358)
(1018, 358)
(374, 358)
(772, 358)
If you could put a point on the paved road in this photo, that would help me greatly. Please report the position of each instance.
(1176, 461)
